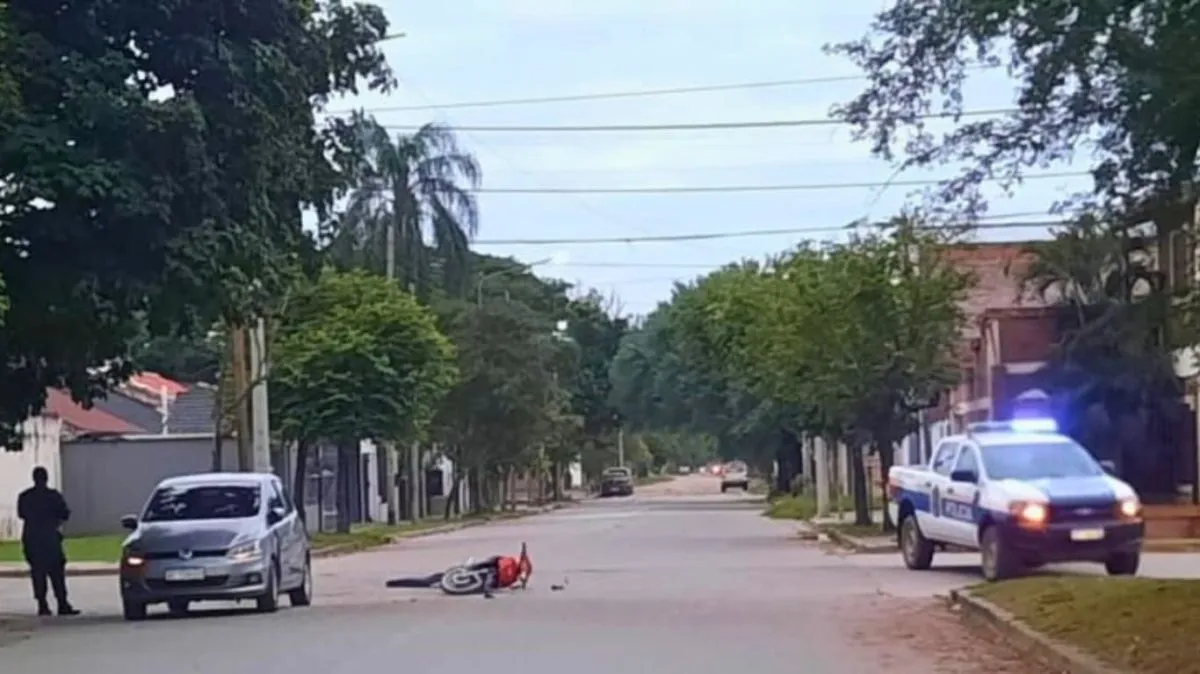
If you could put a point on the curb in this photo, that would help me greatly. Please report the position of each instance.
(332, 551)
(1027, 639)
(855, 543)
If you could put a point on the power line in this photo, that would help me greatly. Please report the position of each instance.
(612, 95)
(708, 189)
(609, 95)
(703, 236)
(702, 126)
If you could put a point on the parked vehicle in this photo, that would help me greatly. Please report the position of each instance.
(616, 481)
(215, 537)
(1020, 493)
(735, 475)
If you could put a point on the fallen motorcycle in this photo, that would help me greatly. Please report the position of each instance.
(473, 577)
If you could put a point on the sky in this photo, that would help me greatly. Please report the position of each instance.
(480, 50)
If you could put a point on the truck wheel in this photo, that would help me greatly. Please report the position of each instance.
(998, 561)
(916, 550)
(1123, 564)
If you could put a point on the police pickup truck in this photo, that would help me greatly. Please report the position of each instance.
(1020, 493)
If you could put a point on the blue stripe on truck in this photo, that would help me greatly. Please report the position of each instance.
(920, 501)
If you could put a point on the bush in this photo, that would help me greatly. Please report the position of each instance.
(786, 507)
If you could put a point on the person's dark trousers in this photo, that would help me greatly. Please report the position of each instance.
(49, 568)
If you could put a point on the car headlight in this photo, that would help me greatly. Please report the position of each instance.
(133, 559)
(1130, 507)
(246, 552)
(1030, 512)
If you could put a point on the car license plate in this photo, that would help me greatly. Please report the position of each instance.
(1087, 534)
(181, 575)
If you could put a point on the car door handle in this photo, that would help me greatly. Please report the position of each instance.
(950, 491)
(928, 484)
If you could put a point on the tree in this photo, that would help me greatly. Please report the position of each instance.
(1112, 378)
(156, 169)
(1117, 76)
(503, 405)
(356, 358)
(414, 186)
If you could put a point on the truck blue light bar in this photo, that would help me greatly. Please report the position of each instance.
(1035, 425)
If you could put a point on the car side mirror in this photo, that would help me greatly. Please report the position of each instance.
(964, 476)
(1109, 466)
(129, 522)
(275, 515)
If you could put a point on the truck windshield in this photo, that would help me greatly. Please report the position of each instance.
(1038, 460)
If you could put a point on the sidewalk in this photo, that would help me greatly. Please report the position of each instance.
(82, 569)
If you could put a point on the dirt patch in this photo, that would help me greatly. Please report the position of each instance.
(925, 635)
(1142, 624)
(14, 629)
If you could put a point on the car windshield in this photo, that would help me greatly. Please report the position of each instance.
(616, 472)
(203, 502)
(1039, 460)
(736, 467)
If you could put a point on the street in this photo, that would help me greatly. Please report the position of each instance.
(677, 578)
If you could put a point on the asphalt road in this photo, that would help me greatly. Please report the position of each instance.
(676, 579)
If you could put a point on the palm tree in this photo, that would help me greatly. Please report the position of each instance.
(413, 202)
(1112, 375)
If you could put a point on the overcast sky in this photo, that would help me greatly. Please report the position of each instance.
(472, 50)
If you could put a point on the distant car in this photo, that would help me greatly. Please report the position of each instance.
(735, 475)
(684, 470)
(616, 481)
(215, 537)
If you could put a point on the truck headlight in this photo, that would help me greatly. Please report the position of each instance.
(246, 552)
(1030, 512)
(1130, 508)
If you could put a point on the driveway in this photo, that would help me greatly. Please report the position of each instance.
(677, 578)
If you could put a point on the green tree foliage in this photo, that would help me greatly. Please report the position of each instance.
(355, 357)
(505, 403)
(156, 166)
(847, 341)
(1117, 76)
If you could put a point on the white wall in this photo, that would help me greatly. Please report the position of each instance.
(40, 447)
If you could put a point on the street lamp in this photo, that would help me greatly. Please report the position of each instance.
(556, 260)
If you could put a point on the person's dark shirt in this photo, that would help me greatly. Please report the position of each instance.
(43, 510)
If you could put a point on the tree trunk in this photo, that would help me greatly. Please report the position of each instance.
(858, 469)
(452, 495)
(299, 479)
(342, 493)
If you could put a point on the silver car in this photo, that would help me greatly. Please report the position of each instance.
(215, 537)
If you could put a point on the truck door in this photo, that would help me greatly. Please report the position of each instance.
(960, 502)
(934, 524)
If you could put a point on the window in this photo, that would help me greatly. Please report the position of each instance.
(967, 461)
(279, 497)
(943, 459)
(1039, 460)
(203, 502)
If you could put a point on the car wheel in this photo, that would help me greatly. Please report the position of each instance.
(268, 601)
(133, 610)
(997, 559)
(916, 550)
(177, 608)
(1123, 564)
(302, 596)
(724, 489)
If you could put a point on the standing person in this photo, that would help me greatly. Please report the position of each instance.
(44, 510)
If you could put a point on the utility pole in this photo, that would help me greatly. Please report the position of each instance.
(390, 455)
(241, 408)
(621, 447)
(821, 459)
(259, 414)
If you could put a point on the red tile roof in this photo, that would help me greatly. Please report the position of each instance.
(83, 420)
(154, 383)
